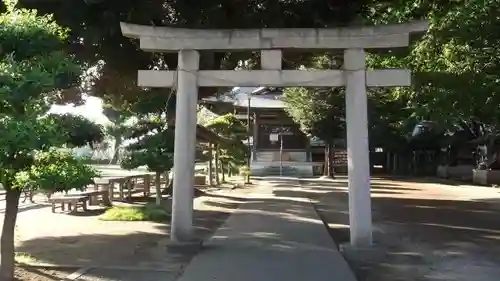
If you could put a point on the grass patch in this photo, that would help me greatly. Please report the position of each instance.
(148, 212)
(21, 257)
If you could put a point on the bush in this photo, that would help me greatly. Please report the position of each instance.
(149, 212)
(57, 170)
(245, 171)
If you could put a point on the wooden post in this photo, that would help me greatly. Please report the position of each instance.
(210, 165)
(108, 193)
(147, 185)
(130, 185)
(157, 187)
(121, 187)
(217, 165)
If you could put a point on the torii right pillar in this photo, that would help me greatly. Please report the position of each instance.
(358, 160)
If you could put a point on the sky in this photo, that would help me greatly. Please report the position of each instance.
(92, 109)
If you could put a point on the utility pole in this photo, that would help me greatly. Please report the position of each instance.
(249, 156)
(281, 154)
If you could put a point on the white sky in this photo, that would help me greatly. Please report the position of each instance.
(92, 109)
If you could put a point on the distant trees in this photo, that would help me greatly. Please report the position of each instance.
(152, 145)
(230, 128)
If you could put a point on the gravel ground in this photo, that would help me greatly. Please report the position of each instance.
(422, 231)
(41, 274)
(126, 275)
(84, 240)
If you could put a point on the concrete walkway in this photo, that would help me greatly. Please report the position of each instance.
(271, 238)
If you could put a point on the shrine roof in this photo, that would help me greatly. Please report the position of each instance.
(260, 98)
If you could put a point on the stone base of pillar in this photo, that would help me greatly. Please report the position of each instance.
(189, 247)
(366, 254)
(442, 171)
(486, 177)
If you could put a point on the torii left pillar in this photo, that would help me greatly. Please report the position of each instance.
(185, 146)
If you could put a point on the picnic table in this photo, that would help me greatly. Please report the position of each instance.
(140, 183)
(73, 202)
(103, 188)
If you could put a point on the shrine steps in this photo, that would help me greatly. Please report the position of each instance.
(294, 169)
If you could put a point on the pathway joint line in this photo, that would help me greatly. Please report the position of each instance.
(168, 268)
(77, 274)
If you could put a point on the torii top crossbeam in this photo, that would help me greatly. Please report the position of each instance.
(270, 41)
(163, 39)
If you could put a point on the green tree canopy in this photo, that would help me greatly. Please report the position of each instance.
(152, 145)
(229, 127)
(57, 170)
(78, 130)
(95, 32)
(34, 70)
(320, 112)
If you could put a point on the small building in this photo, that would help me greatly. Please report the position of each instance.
(278, 145)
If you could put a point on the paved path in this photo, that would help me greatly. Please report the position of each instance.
(271, 238)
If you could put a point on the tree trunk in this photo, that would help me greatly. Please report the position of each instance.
(167, 179)
(210, 165)
(158, 188)
(395, 163)
(116, 153)
(331, 170)
(328, 171)
(169, 185)
(7, 241)
(325, 161)
(217, 166)
(223, 172)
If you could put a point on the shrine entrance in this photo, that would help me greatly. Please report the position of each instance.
(270, 42)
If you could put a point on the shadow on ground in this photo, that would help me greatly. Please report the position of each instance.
(421, 233)
(125, 249)
(424, 236)
(138, 248)
(27, 207)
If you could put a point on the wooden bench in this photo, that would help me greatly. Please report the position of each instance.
(200, 180)
(94, 196)
(28, 194)
(121, 186)
(73, 202)
(141, 183)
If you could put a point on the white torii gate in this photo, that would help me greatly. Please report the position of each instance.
(270, 42)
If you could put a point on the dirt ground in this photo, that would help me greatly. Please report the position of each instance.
(41, 274)
(81, 239)
(423, 231)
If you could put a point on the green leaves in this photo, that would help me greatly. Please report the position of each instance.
(25, 34)
(20, 137)
(56, 170)
(229, 127)
(319, 112)
(455, 65)
(152, 145)
(77, 131)
(33, 70)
